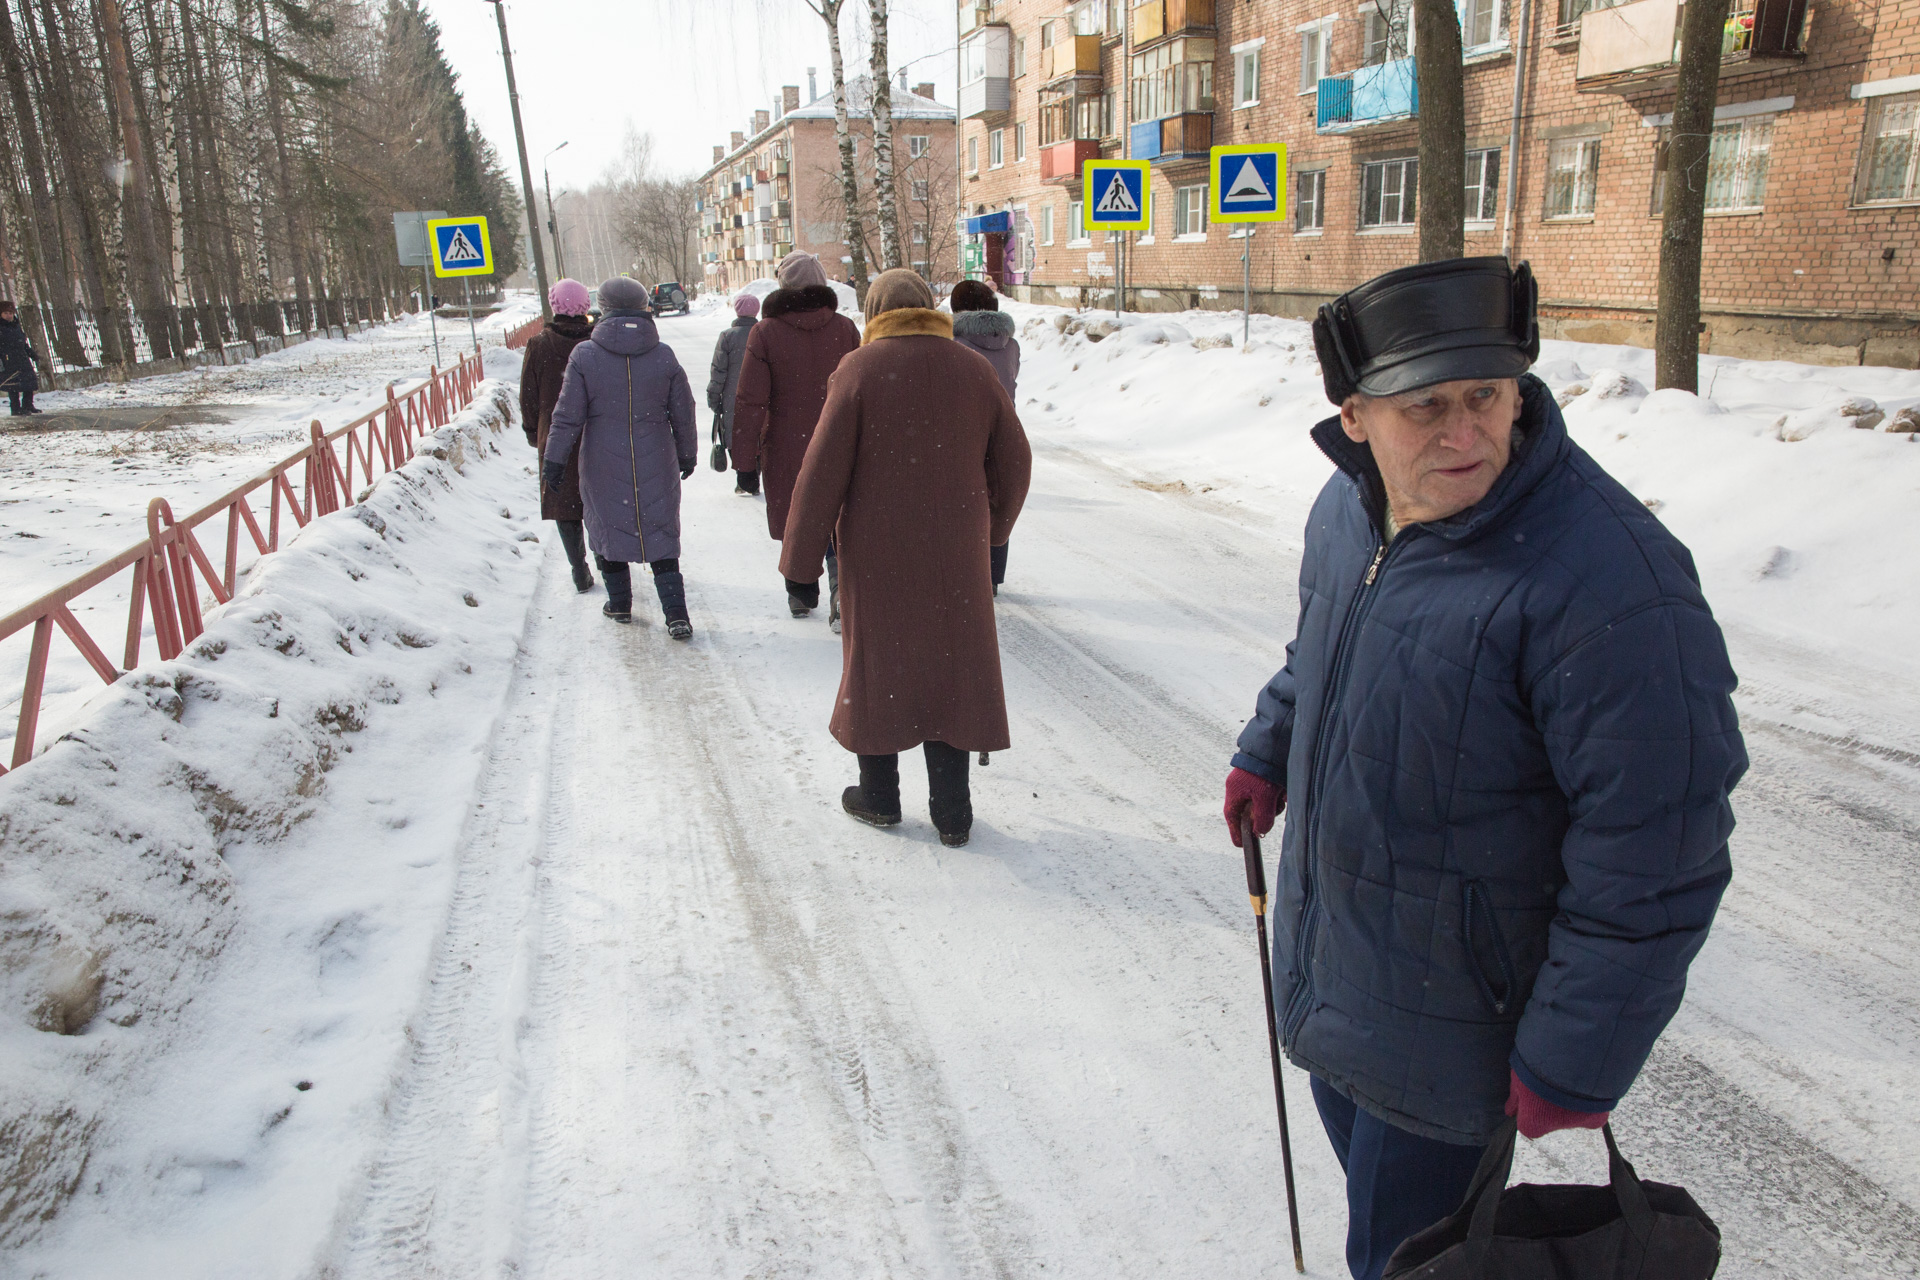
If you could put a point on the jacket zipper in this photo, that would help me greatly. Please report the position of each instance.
(633, 467)
(1302, 997)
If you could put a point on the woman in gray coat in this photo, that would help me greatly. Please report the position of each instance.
(626, 406)
(723, 380)
(978, 324)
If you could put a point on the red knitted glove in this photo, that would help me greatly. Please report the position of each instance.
(1253, 795)
(1538, 1117)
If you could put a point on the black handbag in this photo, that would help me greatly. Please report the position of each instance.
(1631, 1229)
(718, 459)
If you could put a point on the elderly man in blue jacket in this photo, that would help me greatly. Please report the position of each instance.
(1505, 740)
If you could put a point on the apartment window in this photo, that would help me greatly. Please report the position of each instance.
(1246, 73)
(1573, 174)
(1316, 52)
(1046, 35)
(1483, 184)
(920, 190)
(996, 148)
(1387, 189)
(1190, 210)
(1020, 141)
(1310, 200)
(973, 155)
(1481, 24)
(1077, 223)
(1109, 103)
(1571, 12)
(1046, 225)
(919, 233)
(1890, 153)
(1020, 57)
(1387, 29)
(918, 144)
(1173, 77)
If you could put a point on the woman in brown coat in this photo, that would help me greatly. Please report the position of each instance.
(790, 355)
(918, 466)
(540, 375)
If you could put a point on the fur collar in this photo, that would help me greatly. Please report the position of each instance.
(983, 324)
(909, 322)
(575, 327)
(813, 297)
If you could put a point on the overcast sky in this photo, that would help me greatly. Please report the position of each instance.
(687, 71)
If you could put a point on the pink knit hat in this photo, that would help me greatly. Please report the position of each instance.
(746, 305)
(568, 298)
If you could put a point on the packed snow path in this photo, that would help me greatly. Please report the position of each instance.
(688, 1019)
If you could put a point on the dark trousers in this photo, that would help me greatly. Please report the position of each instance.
(998, 555)
(668, 583)
(1398, 1183)
(20, 401)
(574, 539)
(950, 802)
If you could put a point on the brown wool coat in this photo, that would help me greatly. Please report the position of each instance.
(919, 464)
(791, 353)
(540, 377)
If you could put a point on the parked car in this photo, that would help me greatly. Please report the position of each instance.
(669, 296)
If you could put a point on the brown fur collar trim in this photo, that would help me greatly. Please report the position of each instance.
(909, 322)
(814, 297)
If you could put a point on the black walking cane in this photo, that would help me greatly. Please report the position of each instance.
(1257, 891)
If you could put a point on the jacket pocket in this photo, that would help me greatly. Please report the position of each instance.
(1487, 953)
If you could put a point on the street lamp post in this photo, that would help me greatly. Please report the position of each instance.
(526, 170)
(553, 227)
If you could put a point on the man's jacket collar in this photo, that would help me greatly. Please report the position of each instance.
(1543, 443)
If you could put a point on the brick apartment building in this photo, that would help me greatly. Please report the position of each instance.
(1813, 183)
(778, 189)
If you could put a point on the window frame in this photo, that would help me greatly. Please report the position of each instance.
(918, 144)
(997, 148)
(1872, 129)
(1318, 203)
(1019, 57)
(1406, 195)
(1589, 174)
(1321, 29)
(1019, 141)
(1489, 192)
(1077, 233)
(1497, 21)
(973, 154)
(1371, 15)
(1188, 208)
(1246, 72)
(1046, 224)
(919, 190)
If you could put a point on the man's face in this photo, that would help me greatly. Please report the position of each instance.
(1440, 448)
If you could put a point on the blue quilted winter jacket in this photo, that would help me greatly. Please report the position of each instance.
(1507, 741)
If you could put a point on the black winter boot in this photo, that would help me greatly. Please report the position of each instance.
(573, 538)
(949, 800)
(876, 801)
(619, 576)
(671, 586)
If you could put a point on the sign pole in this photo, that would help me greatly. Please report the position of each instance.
(466, 290)
(1246, 285)
(1113, 243)
(426, 285)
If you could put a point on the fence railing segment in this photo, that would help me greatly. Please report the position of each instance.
(164, 564)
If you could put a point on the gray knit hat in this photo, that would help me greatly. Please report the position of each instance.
(622, 293)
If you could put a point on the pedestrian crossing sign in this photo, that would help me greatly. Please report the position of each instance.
(460, 246)
(1118, 195)
(1249, 183)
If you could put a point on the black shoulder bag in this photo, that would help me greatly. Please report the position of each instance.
(1631, 1229)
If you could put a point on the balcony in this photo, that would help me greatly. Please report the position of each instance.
(986, 72)
(1064, 161)
(1635, 47)
(1071, 56)
(1175, 139)
(1157, 18)
(1387, 93)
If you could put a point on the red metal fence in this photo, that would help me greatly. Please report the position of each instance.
(164, 562)
(518, 338)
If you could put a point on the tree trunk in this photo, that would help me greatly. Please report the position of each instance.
(167, 151)
(136, 190)
(887, 207)
(253, 191)
(849, 171)
(44, 235)
(289, 211)
(1443, 129)
(1683, 213)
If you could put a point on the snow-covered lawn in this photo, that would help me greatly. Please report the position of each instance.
(442, 928)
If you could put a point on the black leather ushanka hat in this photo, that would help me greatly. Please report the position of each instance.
(1435, 322)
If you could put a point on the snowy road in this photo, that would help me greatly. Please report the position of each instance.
(688, 1019)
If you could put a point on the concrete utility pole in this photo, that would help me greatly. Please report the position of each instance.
(553, 225)
(526, 169)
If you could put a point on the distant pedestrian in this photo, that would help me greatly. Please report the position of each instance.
(1505, 739)
(790, 355)
(625, 406)
(978, 323)
(919, 465)
(17, 372)
(723, 381)
(540, 377)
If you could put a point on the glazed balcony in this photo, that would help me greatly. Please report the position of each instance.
(1385, 94)
(1071, 56)
(1157, 18)
(1063, 162)
(986, 72)
(1636, 47)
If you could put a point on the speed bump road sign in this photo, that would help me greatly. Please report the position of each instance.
(1249, 183)
(460, 246)
(1118, 195)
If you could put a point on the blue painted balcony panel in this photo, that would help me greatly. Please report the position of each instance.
(1381, 94)
(1145, 141)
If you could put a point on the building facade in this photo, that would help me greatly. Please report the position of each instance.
(778, 187)
(1813, 184)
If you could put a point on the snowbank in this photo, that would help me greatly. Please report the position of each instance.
(1769, 477)
(849, 300)
(217, 892)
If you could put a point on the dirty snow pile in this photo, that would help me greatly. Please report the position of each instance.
(1784, 479)
(219, 891)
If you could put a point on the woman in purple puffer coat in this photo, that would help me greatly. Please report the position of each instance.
(626, 406)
